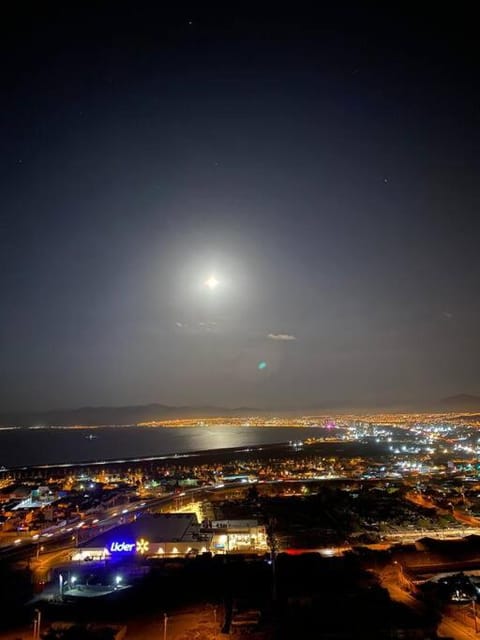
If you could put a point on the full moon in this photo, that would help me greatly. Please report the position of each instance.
(212, 283)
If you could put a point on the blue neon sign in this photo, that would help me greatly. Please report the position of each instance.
(122, 547)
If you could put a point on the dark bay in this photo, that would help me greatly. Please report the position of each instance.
(25, 447)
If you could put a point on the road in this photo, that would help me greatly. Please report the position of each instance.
(449, 627)
(466, 518)
(42, 566)
(69, 534)
(460, 516)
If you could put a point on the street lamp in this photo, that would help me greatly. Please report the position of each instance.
(214, 610)
(36, 624)
(165, 620)
(118, 580)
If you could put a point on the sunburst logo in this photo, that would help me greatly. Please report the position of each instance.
(142, 546)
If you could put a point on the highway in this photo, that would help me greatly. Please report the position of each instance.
(68, 534)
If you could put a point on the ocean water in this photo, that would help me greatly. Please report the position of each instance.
(24, 447)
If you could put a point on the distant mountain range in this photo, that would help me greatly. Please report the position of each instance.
(130, 415)
(461, 402)
(90, 416)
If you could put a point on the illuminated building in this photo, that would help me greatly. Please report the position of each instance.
(238, 535)
(166, 534)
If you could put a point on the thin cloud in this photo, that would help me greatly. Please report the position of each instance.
(281, 336)
(196, 328)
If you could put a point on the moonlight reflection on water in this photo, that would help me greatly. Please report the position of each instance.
(19, 447)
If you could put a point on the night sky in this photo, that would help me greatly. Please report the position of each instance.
(322, 165)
